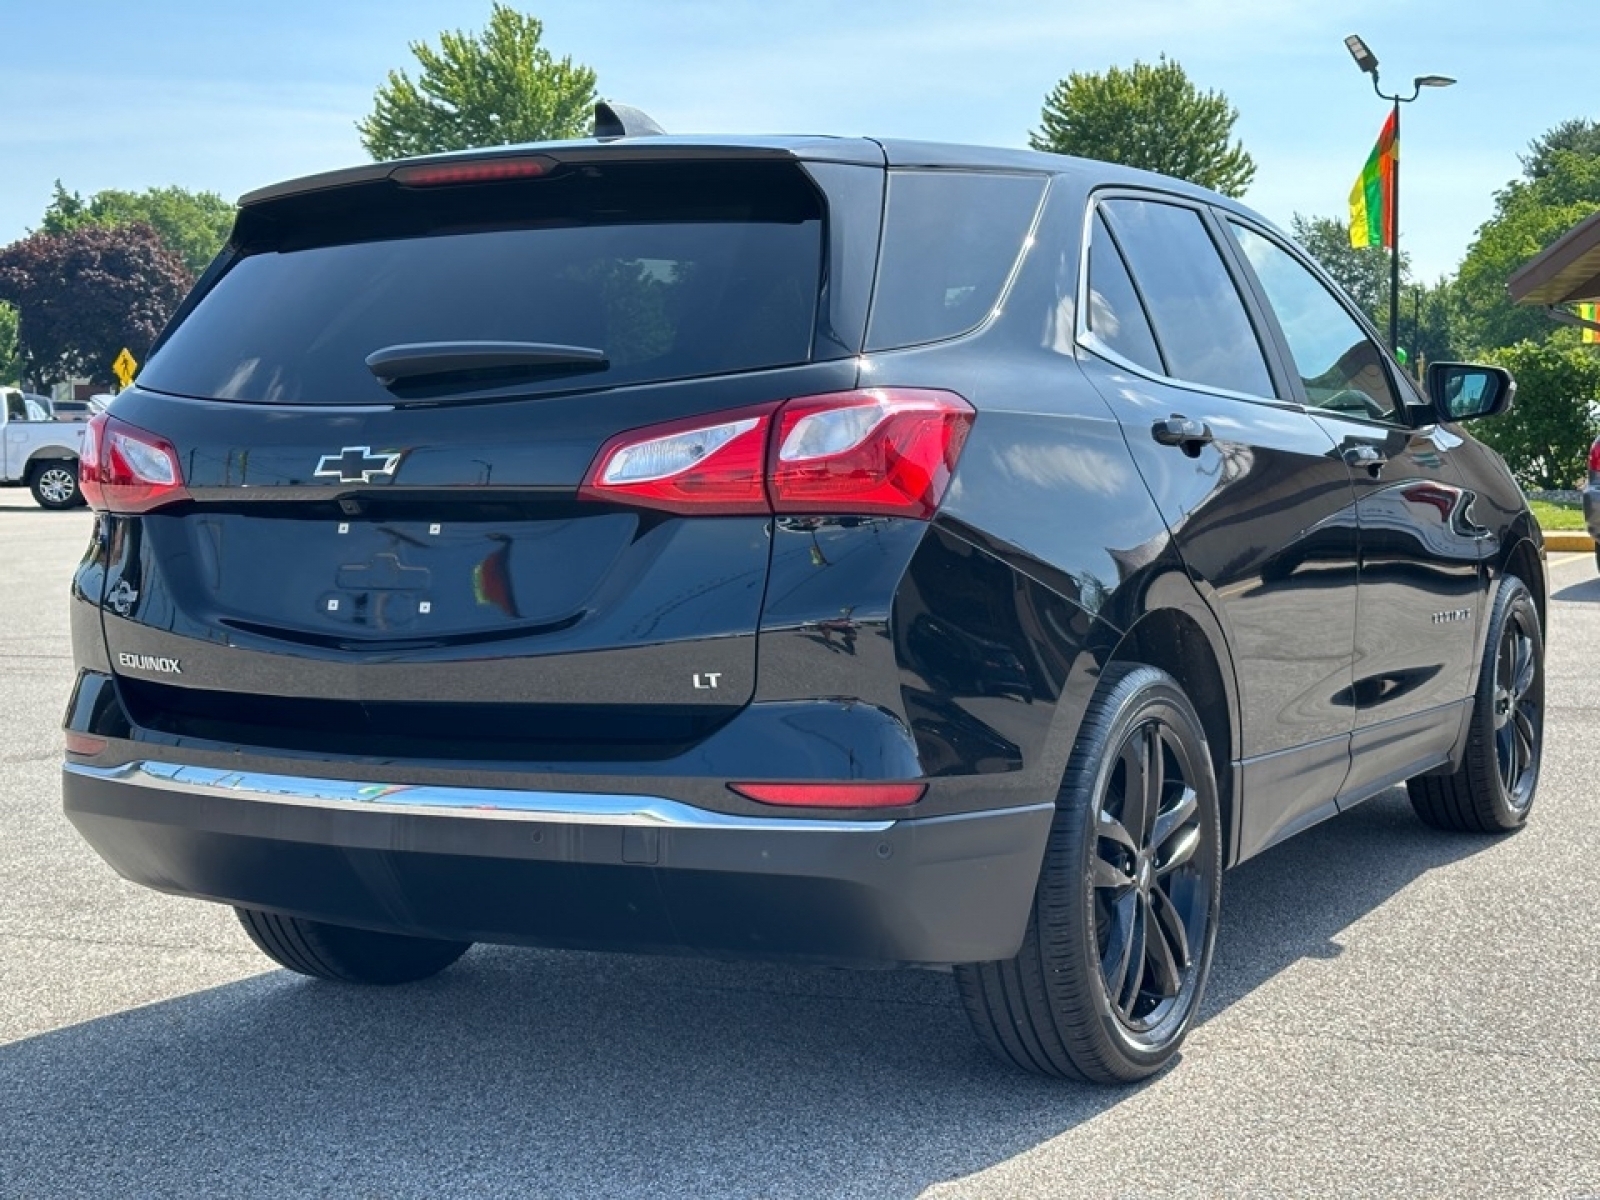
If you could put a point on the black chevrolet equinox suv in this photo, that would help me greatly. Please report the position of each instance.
(836, 550)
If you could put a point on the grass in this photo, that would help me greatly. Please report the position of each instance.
(1553, 515)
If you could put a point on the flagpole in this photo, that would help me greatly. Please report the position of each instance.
(1368, 62)
(1394, 251)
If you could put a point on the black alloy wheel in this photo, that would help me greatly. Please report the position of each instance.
(1493, 789)
(1518, 708)
(1114, 960)
(1151, 895)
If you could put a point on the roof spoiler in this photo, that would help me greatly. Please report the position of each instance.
(613, 120)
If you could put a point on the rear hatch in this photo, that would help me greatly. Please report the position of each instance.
(381, 411)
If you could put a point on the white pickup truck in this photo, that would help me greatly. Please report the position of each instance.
(38, 451)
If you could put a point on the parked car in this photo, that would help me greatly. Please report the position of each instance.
(828, 549)
(36, 451)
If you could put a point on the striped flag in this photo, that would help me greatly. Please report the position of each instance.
(1588, 312)
(1372, 198)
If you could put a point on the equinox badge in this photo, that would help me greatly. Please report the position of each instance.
(357, 464)
(149, 662)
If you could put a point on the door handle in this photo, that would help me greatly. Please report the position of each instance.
(1183, 432)
(1365, 455)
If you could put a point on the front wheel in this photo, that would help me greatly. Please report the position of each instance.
(54, 484)
(1118, 945)
(347, 955)
(1492, 791)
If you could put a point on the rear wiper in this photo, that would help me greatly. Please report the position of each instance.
(418, 360)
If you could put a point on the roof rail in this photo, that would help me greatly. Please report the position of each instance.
(613, 120)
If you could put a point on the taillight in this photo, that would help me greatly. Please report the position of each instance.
(875, 451)
(125, 469)
(707, 465)
(1594, 458)
(883, 450)
(833, 795)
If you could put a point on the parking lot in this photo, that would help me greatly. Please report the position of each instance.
(1393, 1011)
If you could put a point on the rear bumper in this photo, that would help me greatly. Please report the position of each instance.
(586, 870)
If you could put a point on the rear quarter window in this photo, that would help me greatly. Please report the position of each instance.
(951, 240)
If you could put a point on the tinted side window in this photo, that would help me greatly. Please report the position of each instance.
(950, 240)
(1198, 316)
(1341, 367)
(1116, 317)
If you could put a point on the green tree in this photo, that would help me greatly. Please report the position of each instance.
(1530, 214)
(496, 88)
(193, 225)
(10, 360)
(1150, 116)
(1577, 136)
(1363, 273)
(1545, 437)
(82, 295)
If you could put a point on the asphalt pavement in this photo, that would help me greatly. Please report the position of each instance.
(1393, 1012)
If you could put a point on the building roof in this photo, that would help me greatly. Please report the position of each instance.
(1566, 273)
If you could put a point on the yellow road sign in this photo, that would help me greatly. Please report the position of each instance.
(124, 366)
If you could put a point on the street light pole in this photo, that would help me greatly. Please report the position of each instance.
(1368, 62)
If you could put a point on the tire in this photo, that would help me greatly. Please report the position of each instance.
(347, 955)
(1065, 1006)
(1493, 790)
(54, 484)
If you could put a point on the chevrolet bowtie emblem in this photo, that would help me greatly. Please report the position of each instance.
(357, 464)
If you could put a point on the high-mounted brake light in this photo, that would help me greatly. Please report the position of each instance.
(488, 170)
(125, 469)
(875, 451)
(832, 795)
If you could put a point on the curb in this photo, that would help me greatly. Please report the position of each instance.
(1568, 541)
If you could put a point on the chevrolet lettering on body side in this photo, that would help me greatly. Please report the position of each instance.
(150, 662)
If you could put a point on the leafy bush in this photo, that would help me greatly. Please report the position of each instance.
(1545, 437)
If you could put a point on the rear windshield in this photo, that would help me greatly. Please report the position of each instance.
(672, 270)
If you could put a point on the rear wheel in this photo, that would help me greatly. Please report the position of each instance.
(1492, 791)
(54, 484)
(347, 955)
(1118, 946)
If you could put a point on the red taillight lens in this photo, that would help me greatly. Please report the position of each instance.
(885, 451)
(1594, 458)
(832, 795)
(707, 465)
(125, 469)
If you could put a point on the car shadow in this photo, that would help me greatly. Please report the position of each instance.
(1587, 591)
(533, 1072)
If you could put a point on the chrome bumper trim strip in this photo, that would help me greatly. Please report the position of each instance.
(498, 804)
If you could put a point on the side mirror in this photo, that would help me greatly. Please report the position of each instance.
(1465, 391)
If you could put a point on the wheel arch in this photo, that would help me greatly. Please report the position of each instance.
(1183, 639)
(44, 454)
(1525, 560)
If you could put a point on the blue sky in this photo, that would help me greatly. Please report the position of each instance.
(225, 96)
